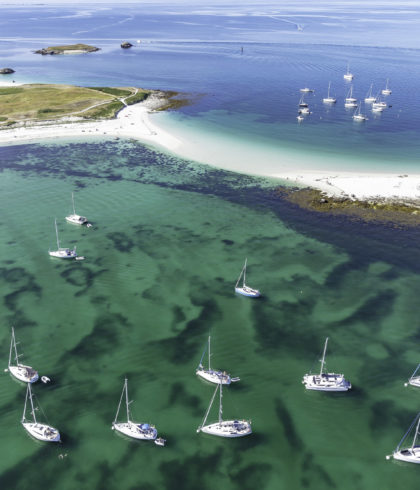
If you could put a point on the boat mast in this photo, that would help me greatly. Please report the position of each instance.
(220, 406)
(415, 434)
(32, 403)
(126, 400)
(244, 272)
(56, 233)
(119, 405)
(329, 85)
(209, 353)
(323, 357)
(208, 410)
(72, 198)
(24, 407)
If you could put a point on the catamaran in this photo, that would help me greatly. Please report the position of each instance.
(224, 428)
(328, 99)
(62, 253)
(414, 380)
(350, 101)
(370, 98)
(210, 374)
(348, 75)
(75, 218)
(409, 454)
(20, 371)
(245, 290)
(130, 428)
(42, 432)
(358, 116)
(387, 90)
(326, 381)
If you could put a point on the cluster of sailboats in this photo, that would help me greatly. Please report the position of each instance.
(64, 252)
(376, 102)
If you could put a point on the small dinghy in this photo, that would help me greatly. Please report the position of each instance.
(160, 441)
(80, 257)
(45, 379)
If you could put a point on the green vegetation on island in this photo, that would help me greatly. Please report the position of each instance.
(68, 48)
(38, 102)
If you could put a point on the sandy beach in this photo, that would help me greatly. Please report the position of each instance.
(135, 122)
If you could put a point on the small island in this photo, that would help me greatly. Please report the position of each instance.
(68, 49)
(6, 71)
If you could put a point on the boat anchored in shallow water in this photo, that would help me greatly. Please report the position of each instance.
(409, 454)
(348, 75)
(414, 380)
(21, 372)
(76, 218)
(328, 99)
(62, 253)
(370, 98)
(358, 116)
(245, 290)
(209, 374)
(350, 101)
(132, 429)
(325, 381)
(42, 432)
(224, 428)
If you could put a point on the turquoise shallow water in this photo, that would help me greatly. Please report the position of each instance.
(168, 241)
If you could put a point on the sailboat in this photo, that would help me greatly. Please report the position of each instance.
(130, 428)
(379, 105)
(358, 116)
(348, 75)
(42, 432)
(387, 90)
(329, 99)
(409, 454)
(210, 374)
(414, 380)
(369, 99)
(326, 381)
(303, 106)
(245, 290)
(20, 371)
(224, 428)
(62, 253)
(350, 101)
(75, 218)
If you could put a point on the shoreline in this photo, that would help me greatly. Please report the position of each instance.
(134, 122)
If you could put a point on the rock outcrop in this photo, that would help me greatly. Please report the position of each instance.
(6, 71)
(126, 45)
(70, 48)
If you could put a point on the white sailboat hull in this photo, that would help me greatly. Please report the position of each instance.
(217, 377)
(247, 291)
(329, 100)
(326, 382)
(410, 455)
(42, 432)
(370, 100)
(76, 219)
(136, 431)
(63, 253)
(386, 92)
(348, 76)
(414, 381)
(228, 428)
(24, 373)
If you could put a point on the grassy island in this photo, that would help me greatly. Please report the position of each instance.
(68, 49)
(37, 102)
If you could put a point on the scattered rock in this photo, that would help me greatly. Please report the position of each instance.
(6, 71)
(126, 45)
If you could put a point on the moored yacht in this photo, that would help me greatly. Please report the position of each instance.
(76, 218)
(370, 98)
(42, 432)
(328, 99)
(20, 371)
(410, 454)
(306, 90)
(224, 428)
(387, 90)
(212, 375)
(130, 428)
(348, 75)
(350, 101)
(62, 253)
(244, 289)
(358, 116)
(325, 381)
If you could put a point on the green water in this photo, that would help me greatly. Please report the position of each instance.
(168, 241)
